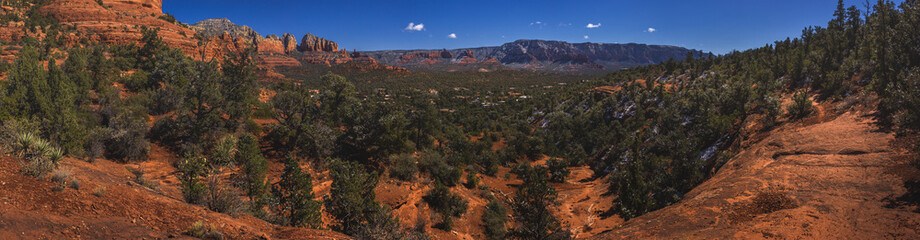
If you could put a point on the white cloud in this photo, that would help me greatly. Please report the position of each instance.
(586, 37)
(452, 36)
(590, 25)
(415, 27)
(651, 30)
(536, 23)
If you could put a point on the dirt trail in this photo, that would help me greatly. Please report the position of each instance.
(838, 173)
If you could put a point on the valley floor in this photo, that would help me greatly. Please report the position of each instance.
(830, 180)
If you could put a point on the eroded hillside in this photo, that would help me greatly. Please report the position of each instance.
(829, 177)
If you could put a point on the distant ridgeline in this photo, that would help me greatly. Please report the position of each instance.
(538, 55)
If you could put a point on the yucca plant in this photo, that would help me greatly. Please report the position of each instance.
(40, 156)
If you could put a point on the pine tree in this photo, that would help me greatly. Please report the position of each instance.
(295, 196)
(254, 167)
(531, 204)
(351, 201)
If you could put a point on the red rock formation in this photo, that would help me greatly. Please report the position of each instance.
(119, 21)
(466, 57)
(278, 61)
(290, 43)
(446, 54)
(311, 43)
(218, 47)
(271, 45)
(424, 57)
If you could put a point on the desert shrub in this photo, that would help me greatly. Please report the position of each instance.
(907, 99)
(137, 82)
(447, 175)
(801, 105)
(139, 178)
(494, 219)
(75, 184)
(771, 112)
(191, 169)
(168, 17)
(404, 167)
(202, 230)
(472, 181)
(99, 191)
(489, 161)
(225, 151)
(95, 143)
(39, 155)
(558, 170)
(446, 203)
(59, 178)
(436, 165)
(222, 198)
(128, 140)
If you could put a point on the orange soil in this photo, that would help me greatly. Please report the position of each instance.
(838, 171)
(581, 201)
(29, 209)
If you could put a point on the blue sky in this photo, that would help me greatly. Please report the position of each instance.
(709, 25)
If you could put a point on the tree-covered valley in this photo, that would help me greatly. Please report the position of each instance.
(165, 134)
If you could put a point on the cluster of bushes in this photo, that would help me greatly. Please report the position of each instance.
(446, 203)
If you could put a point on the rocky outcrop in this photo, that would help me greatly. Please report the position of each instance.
(466, 57)
(539, 55)
(311, 43)
(278, 61)
(119, 21)
(271, 45)
(217, 26)
(290, 43)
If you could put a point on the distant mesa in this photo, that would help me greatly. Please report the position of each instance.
(539, 55)
(535, 55)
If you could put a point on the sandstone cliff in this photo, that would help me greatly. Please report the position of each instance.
(311, 43)
(120, 21)
(290, 43)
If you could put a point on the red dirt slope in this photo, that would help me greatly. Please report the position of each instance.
(834, 176)
(30, 209)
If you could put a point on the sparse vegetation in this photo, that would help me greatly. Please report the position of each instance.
(801, 105)
(531, 207)
(296, 203)
(494, 219)
(403, 167)
(99, 191)
(558, 170)
(446, 203)
(202, 230)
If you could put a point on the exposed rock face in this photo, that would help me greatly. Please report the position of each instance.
(117, 21)
(290, 43)
(540, 55)
(276, 61)
(217, 26)
(446, 54)
(311, 43)
(466, 57)
(271, 46)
